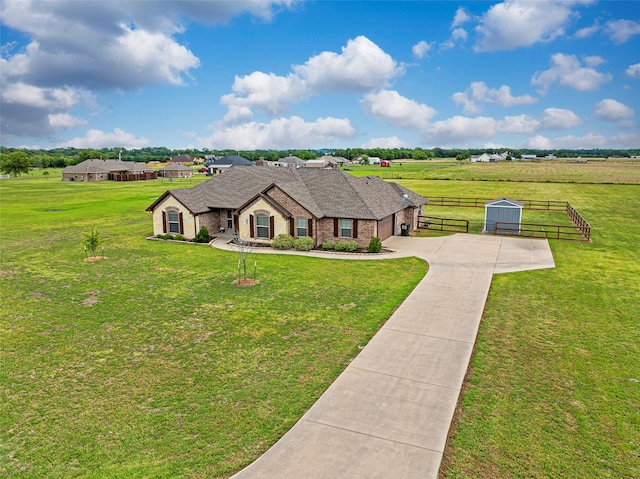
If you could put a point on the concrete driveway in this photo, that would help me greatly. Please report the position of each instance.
(388, 414)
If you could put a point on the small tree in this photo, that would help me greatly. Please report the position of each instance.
(15, 163)
(244, 248)
(45, 174)
(92, 240)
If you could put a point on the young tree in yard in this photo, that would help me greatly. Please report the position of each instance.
(92, 240)
(15, 163)
(244, 248)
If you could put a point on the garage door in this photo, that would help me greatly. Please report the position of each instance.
(385, 227)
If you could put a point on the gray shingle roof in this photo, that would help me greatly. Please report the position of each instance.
(325, 193)
(100, 166)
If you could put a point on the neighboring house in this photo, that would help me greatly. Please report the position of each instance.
(261, 203)
(489, 158)
(175, 171)
(226, 162)
(182, 159)
(325, 161)
(374, 160)
(114, 170)
(290, 161)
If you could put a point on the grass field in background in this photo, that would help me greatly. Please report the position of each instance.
(607, 172)
(151, 364)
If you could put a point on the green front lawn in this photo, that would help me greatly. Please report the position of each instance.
(151, 363)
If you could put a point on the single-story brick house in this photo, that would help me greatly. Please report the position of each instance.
(261, 203)
(176, 171)
(101, 170)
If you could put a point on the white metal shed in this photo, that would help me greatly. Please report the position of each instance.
(503, 210)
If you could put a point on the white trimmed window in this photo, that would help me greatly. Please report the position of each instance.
(173, 220)
(262, 226)
(301, 227)
(346, 227)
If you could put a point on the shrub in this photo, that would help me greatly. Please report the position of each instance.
(304, 243)
(375, 245)
(328, 245)
(165, 236)
(179, 238)
(202, 236)
(346, 246)
(283, 241)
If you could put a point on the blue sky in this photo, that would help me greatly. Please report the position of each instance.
(261, 74)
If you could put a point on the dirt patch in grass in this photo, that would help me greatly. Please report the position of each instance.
(93, 259)
(245, 282)
(92, 300)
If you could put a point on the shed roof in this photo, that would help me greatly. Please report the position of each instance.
(505, 203)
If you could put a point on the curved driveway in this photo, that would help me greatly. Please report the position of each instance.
(388, 414)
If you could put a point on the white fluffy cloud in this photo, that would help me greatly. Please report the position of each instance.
(421, 49)
(360, 67)
(479, 92)
(620, 31)
(99, 139)
(633, 71)
(568, 70)
(459, 130)
(390, 142)
(520, 23)
(590, 140)
(393, 108)
(115, 45)
(612, 110)
(280, 133)
(460, 17)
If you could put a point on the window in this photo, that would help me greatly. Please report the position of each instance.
(174, 221)
(230, 220)
(301, 227)
(346, 227)
(262, 226)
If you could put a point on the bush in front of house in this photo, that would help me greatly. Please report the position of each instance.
(328, 245)
(202, 236)
(346, 246)
(304, 243)
(283, 241)
(375, 245)
(165, 236)
(179, 238)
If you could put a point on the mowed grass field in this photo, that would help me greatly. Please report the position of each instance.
(151, 364)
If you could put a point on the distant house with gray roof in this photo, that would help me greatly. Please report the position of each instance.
(217, 165)
(176, 170)
(261, 203)
(102, 170)
(290, 161)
